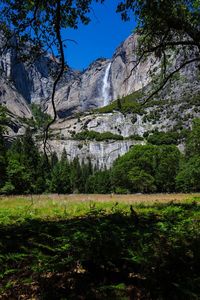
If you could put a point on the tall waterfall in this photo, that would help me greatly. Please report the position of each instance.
(106, 86)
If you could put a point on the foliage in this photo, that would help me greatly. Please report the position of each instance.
(94, 135)
(141, 180)
(60, 177)
(41, 118)
(38, 24)
(188, 177)
(193, 141)
(164, 138)
(24, 167)
(135, 137)
(99, 183)
(105, 250)
(147, 168)
(127, 104)
(3, 119)
(3, 162)
(34, 27)
(166, 28)
(189, 174)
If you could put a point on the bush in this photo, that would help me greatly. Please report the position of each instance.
(147, 169)
(163, 138)
(188, 177)
(94, 135)
(7, 189)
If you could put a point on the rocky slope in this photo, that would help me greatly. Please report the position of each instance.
(79, 94)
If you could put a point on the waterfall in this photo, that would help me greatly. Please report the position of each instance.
(106, 86)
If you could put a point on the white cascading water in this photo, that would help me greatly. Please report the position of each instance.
(106, 86)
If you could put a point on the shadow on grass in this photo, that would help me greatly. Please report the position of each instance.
(147, 255)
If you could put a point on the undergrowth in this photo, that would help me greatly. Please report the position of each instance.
(99, 251)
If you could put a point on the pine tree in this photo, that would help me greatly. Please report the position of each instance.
(3, 162)
(24, 170)
(60, 176)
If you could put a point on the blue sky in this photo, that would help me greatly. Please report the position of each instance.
(98, 39)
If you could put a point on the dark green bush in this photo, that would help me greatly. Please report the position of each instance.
(94, 135)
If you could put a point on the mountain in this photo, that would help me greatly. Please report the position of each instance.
(103, 98)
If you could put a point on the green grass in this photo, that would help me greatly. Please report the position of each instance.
(51, 249)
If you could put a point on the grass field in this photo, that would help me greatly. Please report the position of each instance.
(16, 208)
(100, 247)
(55, 205)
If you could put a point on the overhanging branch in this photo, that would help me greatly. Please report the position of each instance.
(169, 77)
(162, 47)
(62, 69)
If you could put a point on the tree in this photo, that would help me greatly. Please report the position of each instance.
(189, 174)
(168, 158)
(60, 176)
(76, 176)
(3, 162)
(54, 159)
(24, 171)
(187, 179)
(19, 178)
(142, 181)
(38, 25)
(99, 182)
(193, 140)
(146, 169)
(166, 28)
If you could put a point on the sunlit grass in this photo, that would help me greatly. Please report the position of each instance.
(17, 208)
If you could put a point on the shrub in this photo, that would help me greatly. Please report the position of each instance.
(94, 135)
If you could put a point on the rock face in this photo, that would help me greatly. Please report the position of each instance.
(32, 81)
(101, 154)
(102, 82)
(15, 103)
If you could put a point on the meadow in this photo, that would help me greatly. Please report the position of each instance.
(100, 246)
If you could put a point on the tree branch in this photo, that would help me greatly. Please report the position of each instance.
(62, 69)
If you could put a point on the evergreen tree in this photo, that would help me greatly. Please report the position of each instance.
(60, 176)
(24, 170)
(3, 162)
(54, 159)
(76, 176)
(65, 173)
(193, 140)
(86, 171)
(99, 182)
(188, 179)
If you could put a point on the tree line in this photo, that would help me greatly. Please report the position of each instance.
(145, 168)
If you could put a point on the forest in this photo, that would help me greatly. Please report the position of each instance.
(158, 166)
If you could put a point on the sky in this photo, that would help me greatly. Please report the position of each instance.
(100, 38)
